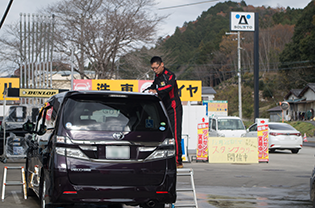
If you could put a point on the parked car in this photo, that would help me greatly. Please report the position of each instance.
(102, 147)
(282, 136)
(226, 126)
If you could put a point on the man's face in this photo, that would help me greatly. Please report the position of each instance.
(157, 68)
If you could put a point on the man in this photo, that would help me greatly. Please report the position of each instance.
(165, 86)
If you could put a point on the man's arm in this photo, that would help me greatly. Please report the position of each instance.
(152, 87)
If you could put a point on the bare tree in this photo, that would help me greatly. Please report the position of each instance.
(102, 30)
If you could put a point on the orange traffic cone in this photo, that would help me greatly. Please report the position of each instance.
(304, 138)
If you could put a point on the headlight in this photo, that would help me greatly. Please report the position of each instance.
(71, 152)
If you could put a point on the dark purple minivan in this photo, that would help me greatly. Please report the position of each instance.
(102, 147)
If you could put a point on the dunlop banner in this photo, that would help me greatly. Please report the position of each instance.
(39, 93)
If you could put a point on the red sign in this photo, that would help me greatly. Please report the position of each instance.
(202, 145)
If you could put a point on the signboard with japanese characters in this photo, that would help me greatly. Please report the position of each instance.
(202, 145)
(115, 85)
(216, 107)
(187, 90)
(263, 139)
(233, 150)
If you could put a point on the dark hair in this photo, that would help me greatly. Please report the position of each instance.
(156, 59)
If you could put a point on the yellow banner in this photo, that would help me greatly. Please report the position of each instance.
(9, 83)
(189, 90)
(115, 85)
(44, 93)
(233, 150)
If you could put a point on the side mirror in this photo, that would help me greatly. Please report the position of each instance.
(29, 126)
(42, 129)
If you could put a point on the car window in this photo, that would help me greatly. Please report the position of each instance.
(114, 114)
(253, 128)
(281, 126)
(213, 124)
(230, 124)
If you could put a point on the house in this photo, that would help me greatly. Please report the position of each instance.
(302, 103)
(208, 93)
(275, 114)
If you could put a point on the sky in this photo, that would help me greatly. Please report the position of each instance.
(177, 16)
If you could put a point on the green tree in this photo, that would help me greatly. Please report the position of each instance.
(298, 57)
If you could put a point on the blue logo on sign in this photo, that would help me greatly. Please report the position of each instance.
(243, 19)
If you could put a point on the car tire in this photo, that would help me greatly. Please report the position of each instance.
(294, 151)
(43, 191)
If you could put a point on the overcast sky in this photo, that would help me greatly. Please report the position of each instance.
(177, 15)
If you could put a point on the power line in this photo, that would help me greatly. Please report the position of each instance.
(183, 5)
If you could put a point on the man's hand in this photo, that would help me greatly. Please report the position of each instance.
(153, 91)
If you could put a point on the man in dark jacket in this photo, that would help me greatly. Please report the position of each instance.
(165, 86)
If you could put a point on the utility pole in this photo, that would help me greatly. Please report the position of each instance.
(238, 71)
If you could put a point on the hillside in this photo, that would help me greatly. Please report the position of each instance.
(205, 52)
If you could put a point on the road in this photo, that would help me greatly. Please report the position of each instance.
(283, 182)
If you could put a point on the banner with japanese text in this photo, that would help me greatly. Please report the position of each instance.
(115, 85)
(216, 107)
(263, 139)
(233, 150)
(187, 90)
(202, 145)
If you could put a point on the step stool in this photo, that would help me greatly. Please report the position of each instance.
(13, 183)
(187, 172)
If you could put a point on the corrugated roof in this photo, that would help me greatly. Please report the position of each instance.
(208, 90)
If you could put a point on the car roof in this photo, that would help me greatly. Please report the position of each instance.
(227, 117)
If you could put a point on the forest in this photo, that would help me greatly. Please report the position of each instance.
(201, 50)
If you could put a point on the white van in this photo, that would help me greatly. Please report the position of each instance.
(226, 126)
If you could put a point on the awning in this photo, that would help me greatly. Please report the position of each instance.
(295, 100)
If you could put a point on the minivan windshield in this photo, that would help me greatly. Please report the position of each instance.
(230, 124)
(113, 114)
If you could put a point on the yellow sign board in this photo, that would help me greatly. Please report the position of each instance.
(189, 90)
(9, 83)
(115, 85)
(233, 150)
(44, 93)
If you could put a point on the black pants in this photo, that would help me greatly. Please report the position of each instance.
(175, 114)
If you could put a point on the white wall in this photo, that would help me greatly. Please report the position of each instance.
(309, 94)
(192, 115)
(6, 109)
